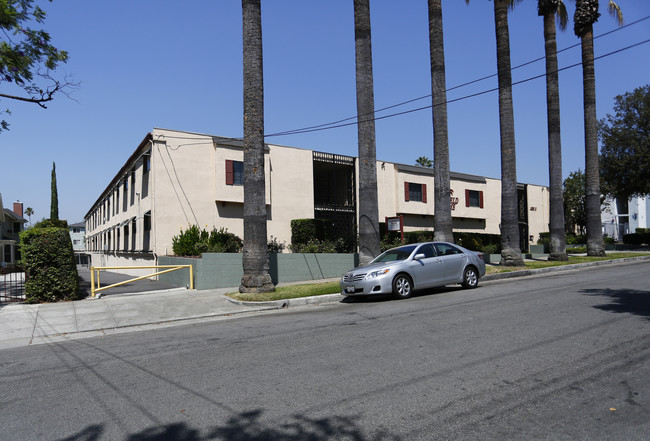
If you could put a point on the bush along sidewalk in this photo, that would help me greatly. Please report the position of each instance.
(48, 259)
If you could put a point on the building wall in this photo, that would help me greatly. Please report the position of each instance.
(538, 211)
(183, 168)
(186, 184)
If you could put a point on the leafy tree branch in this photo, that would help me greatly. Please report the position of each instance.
(27, 57)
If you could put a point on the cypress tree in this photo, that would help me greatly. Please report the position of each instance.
(54, 205)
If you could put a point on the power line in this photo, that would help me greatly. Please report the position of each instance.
(457, 99)
(342, 122)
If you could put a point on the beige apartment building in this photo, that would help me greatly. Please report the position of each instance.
(176, 179)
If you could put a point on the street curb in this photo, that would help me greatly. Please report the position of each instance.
(285, 303)
(331, 298)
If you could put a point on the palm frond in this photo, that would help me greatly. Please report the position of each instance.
(615, 11)
(562, 15)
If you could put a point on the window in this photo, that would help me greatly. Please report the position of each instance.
(146, 234)
(132, 186)
(427, 250)
(146, 163)
(473, 198)
(415, 192)
(7, 253)
(133, 235)
(446, 249)
(234, 172)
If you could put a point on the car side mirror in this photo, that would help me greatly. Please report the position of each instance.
(419, 256)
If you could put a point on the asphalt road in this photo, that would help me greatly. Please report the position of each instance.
(565, 356)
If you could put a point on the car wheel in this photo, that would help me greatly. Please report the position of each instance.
(470, 277)
(402, 286)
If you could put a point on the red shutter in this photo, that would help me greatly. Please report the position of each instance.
(406, 191)
(466, 197)
(480, 199)
(424, 193)
(230, 175)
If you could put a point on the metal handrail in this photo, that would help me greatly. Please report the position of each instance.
(94, 290)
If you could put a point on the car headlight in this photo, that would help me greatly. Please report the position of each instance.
(374, 274)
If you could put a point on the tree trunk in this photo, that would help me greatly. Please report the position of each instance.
(595, 246)
(369, 247)
(557, 245)
(255, 253)
(442, 223)
(510, 249)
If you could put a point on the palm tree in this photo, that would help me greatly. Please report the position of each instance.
(510, 248)
(369, 246)
(548, 9)
(442, 223)
(29, 211)
(255, 257)
(424, 161)
(586, 14)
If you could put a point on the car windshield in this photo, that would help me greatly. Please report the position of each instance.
(400, 253)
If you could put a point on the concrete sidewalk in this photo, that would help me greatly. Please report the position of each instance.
(24, 325)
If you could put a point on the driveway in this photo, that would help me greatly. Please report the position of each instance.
(109, 278)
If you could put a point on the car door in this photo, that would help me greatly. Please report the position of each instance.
(453, 262)
(428, 270)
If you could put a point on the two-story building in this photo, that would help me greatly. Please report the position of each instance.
(177, 179)
(11, 224)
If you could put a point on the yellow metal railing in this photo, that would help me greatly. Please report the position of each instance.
(97, 289)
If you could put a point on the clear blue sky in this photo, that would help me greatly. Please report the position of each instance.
(178, 65)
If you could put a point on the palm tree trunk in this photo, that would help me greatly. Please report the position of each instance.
(442, 223)
(255, 252)
(557, 245)
(510, 251)
(595, 245)
(369, 247)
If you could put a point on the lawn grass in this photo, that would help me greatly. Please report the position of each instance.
(494, 269)
(290, 292)
(320, 288)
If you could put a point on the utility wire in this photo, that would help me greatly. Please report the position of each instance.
(341, 123)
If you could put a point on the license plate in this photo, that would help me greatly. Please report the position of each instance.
(349, 289)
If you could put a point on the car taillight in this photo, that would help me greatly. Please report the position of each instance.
(480, 255)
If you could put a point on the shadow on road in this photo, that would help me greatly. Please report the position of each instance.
(248, 426)
(630, 301)
(379, 298)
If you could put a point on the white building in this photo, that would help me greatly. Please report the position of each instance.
(624, 217)
(177, 179)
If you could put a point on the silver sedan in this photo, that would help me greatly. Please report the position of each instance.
(415, 266)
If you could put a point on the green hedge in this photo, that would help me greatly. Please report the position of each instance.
(317, 236)
(570, 238)
(642, 236)
(485, 243)
(194, 241)
(50, 267)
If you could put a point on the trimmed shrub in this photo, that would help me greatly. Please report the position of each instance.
(194, 241)
(317, 236)
(633, 239)
(305, 230)
(485, 243)
(50, 267)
